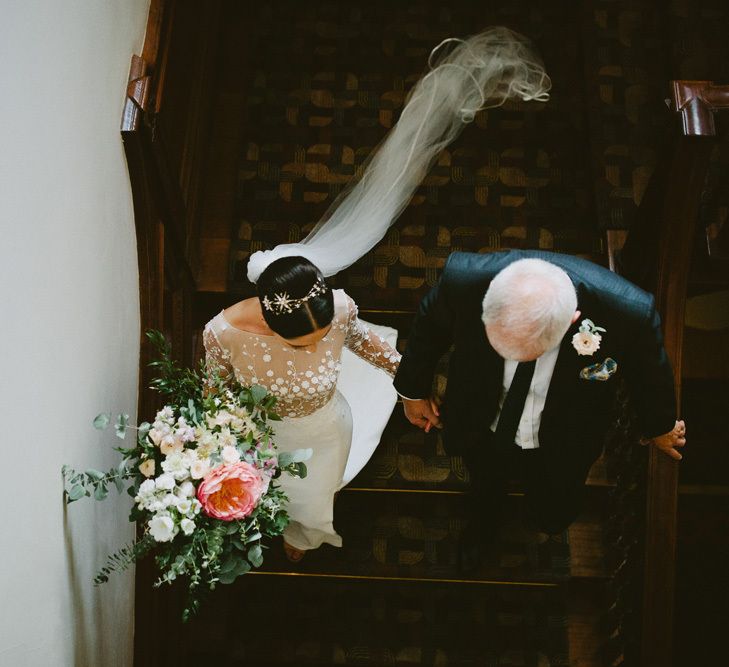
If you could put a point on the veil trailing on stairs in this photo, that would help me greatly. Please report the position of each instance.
(466, 75)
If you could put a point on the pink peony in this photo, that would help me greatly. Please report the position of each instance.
(231, 492)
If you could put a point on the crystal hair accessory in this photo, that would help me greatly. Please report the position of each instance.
(282, 303)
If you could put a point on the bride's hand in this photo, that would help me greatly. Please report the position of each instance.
(422, 412)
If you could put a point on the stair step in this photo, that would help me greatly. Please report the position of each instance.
(415, 537)
(303, 622)
(410, 459)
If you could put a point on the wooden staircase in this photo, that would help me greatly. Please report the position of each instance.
(601, 594)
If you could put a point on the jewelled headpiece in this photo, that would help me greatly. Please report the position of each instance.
(281, 302)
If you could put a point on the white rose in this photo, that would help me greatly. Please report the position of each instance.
(176, 464)
(189, 456)
(230, 455)
(187, 526)
(162, 528)
(185, 490)
(199, 469)
(165, 482)
(147, 488)
(586, 343)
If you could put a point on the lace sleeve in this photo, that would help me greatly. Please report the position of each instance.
(216, 356)
(367, 344)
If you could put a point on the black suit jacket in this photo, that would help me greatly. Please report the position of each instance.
(577, 412)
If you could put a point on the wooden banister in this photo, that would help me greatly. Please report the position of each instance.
(657, 256)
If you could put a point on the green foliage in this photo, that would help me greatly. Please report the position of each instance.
(179, 384)
(122, 559)
(93, 482)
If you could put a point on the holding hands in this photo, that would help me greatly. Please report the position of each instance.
(423, 413)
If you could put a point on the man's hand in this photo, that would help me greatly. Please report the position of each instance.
(422, 413)
(668, 442)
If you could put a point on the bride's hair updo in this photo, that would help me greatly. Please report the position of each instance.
(295, 299)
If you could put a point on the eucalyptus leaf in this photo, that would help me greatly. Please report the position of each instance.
(143, 431)
(285, 459)
(243, 566)
(299, 455)
(119, 473)
(255, 555)
(100, 492)
(76, 492)
(121, 426)
(253, 538)
(229, 565)
(258, 393)
(227, 577)
(101, 421)
(95, 474)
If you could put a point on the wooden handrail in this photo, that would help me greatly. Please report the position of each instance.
(657, 256)
(697, 101)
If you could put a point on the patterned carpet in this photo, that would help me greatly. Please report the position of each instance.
(327, 80)
(305, 622)
(415, 535)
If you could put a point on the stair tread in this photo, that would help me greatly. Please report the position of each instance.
(410, 537)
(379, 623)
(409, 459)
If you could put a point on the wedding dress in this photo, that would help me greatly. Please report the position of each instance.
(312, 401)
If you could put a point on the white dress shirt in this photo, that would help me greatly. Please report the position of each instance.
(527, 435)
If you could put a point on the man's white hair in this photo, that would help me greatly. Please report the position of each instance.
(531, 302)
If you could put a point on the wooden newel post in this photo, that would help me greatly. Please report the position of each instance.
(675, 226)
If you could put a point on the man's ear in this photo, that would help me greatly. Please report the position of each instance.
(576, 316)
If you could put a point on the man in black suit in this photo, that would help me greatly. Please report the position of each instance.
(539, 340)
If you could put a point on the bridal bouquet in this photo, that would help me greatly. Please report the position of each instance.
(202, 478)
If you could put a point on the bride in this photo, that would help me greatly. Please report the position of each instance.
(291, 338)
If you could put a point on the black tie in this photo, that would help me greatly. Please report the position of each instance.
(514, 404)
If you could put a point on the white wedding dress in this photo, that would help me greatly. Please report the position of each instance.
(346, 379)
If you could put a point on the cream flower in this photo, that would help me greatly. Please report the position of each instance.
(586, 342)
(199, 469)
(170, 444)
(147, 467)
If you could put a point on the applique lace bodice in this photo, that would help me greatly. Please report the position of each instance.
(302, 380)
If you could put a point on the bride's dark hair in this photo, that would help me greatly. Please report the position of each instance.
(295, 276)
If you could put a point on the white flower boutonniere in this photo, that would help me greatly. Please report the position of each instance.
(587, 340)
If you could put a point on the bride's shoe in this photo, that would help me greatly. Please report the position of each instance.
(292, 553)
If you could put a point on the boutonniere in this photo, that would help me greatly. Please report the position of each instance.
(587, 340)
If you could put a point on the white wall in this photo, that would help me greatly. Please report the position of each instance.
(69, 323)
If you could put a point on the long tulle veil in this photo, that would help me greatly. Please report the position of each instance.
(466, 75)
